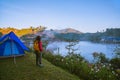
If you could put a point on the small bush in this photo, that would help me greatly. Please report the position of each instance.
(76, 64)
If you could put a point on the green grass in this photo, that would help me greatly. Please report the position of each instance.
(25, 69)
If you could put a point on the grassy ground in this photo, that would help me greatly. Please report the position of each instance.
(25, 69)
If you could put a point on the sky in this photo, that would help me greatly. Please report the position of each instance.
(82, 15)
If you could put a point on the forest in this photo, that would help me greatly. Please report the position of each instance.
(113, 33)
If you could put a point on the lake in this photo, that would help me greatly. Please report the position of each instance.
(85, 49)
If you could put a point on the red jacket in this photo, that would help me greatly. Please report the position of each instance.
(40, 46)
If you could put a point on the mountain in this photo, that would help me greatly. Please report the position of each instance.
(23, 31)
(50, 34)
(37, 31)
(68, 30)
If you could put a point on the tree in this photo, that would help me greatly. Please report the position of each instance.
(70, 47)
(114, 32)
(72, 39)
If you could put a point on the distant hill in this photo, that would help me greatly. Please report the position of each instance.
(68, 30)
(21, 32)
(18, 32)
(51, 33)
(48, 34)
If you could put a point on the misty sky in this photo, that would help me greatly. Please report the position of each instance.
(82, 15)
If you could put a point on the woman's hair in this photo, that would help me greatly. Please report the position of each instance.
(38, 38)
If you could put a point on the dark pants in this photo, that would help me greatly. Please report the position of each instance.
(38, 57)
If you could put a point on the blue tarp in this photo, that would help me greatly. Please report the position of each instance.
(10, 45)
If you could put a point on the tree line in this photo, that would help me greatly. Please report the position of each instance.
(96, 37)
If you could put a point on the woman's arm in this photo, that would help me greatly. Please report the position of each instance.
(40, 46)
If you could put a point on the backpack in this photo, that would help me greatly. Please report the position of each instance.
(36, 46)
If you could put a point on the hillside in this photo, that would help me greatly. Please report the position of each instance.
(21, 32)
(52, 33)
(25, 69)
(37, 31)
(68, 30)
(16, 31)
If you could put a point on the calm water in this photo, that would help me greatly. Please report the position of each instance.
(84, 48)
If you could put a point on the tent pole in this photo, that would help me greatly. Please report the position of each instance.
(12, 51)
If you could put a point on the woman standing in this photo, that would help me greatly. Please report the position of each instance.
(38, 50)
